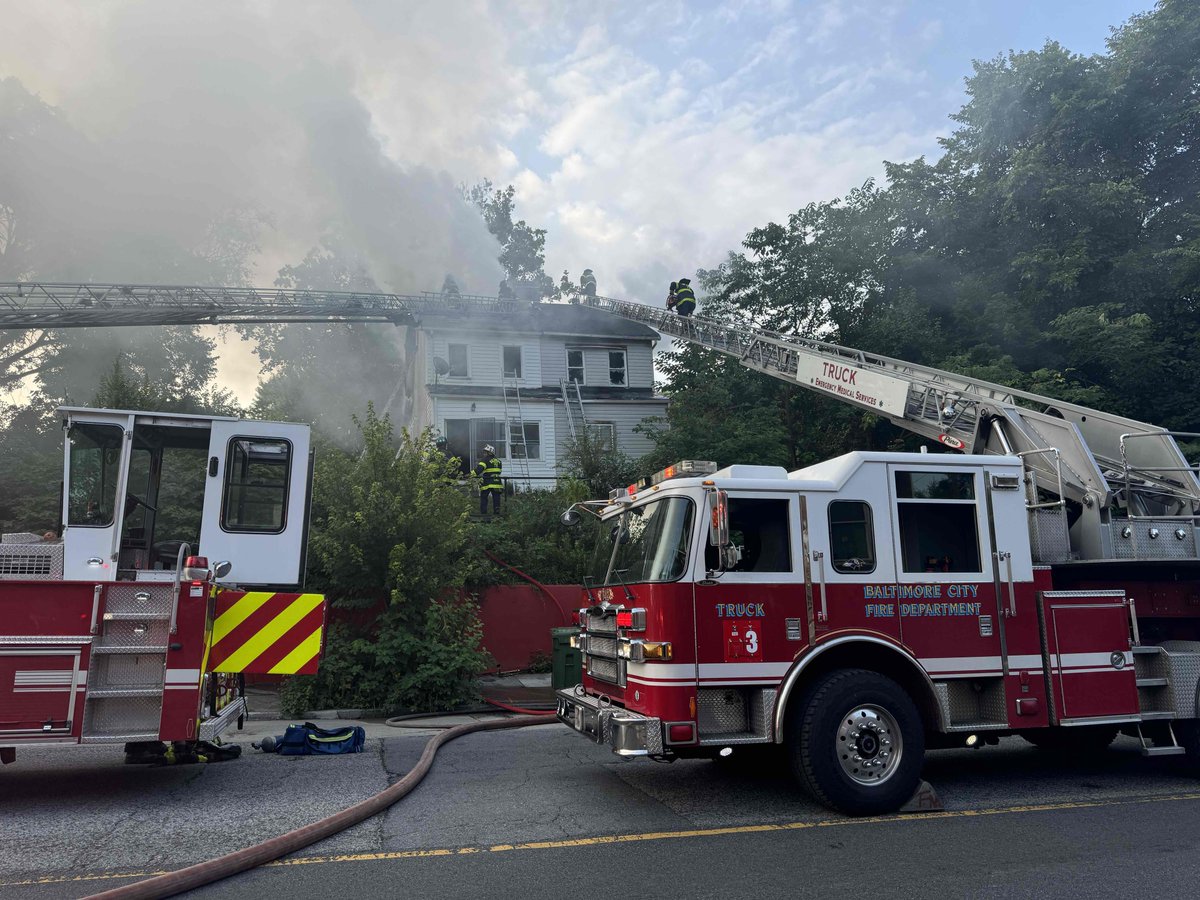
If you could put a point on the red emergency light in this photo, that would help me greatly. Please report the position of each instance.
(624, 620)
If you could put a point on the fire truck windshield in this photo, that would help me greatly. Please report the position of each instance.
(646, 544)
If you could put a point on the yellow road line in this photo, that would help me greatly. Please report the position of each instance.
(651, 836)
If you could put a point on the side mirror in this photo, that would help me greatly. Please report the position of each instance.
(718, 530)
(570, 518)
(223, 568)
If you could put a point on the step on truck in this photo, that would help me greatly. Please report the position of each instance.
(174, 570)
(1042, 581)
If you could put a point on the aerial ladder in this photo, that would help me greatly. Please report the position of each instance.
(1098, 486)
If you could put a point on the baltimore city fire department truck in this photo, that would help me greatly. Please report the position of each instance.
(1042, 582)
(120, 631)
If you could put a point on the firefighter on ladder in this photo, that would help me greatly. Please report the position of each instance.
(488, 470)
(681, 297)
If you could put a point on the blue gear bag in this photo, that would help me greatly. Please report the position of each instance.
(308, 739)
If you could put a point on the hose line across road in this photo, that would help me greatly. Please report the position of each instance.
(247, 858)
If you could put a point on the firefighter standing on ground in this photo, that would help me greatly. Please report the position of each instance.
(488, 470)
(681, 297)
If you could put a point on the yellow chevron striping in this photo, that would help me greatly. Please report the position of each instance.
(296, 660)
(241, 610)
(269, 634)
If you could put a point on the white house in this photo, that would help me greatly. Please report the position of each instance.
(547, 370)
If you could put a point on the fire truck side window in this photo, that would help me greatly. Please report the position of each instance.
(95, 466)
(939, 521)
(851, 536)
(256, 485)
(760, 528)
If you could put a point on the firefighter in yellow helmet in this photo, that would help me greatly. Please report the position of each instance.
(488, 471)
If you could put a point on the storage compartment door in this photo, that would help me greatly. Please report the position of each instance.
(1091, 660)
(256, 501)
(37, 691)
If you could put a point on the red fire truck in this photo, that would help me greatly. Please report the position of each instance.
(1042, 582)
(120, 631)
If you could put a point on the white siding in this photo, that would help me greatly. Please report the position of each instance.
(484, 357)
(625, 416)
(540, 411)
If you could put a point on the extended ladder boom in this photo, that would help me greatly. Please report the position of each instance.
(1100, 457)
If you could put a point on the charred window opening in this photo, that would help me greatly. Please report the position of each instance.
(616, 367)
(458, 356)
(575, 366)
(512, 362)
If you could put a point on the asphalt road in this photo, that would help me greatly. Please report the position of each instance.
(540, 812)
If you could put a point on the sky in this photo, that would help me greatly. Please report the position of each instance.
(647, 138)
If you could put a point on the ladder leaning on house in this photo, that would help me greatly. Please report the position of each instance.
(518, 450)
(573, 400)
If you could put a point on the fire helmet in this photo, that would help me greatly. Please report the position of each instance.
(488, 448)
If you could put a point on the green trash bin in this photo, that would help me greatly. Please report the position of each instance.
(566, 662)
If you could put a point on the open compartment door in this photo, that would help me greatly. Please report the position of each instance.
(256, 501)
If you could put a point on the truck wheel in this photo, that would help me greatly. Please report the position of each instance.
(1073, 740)
(857, 742)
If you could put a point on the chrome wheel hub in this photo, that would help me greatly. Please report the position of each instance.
(869, 745)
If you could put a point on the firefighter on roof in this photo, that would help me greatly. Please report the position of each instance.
(681, 297)
(450, 287)
(587, 283)
(488, 470)
(506, 291)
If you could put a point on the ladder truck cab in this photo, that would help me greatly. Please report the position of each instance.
(1042, 582)
(178, 572)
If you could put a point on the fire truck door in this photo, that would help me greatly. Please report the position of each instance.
(945, 592)
(256, 501)
(96, 468)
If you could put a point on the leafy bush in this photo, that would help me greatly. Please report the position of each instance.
(389, 530)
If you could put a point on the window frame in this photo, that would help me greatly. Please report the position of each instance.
(624, 368)
(582, 367)
(466, 360)
(525, 425)
(115, 488)
(978, 512)
(504, 371)
(226, 484)
(871, 542)
(794, 546)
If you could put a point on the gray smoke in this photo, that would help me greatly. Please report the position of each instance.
(218, 142)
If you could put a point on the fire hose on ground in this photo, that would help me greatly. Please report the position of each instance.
(212, 870)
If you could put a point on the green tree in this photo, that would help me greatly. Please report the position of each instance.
(388, 529)
(522, 247)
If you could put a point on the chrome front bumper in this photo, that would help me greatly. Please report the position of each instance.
(212, 727)
(627, 733)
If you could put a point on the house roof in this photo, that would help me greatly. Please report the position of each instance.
(560, 319)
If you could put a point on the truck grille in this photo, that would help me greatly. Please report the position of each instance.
(602, 646)
(604, 669)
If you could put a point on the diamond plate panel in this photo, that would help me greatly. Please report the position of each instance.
(1050, 541)
(144, 599)
(762, 711)
(1184, 668)
(720, 710)
(972, 703)
(1139, 545)
(122, 715)
(31, 562)
(126, 670)
(134, 634)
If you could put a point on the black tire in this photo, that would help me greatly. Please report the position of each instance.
(1086, 739)
(881, 772)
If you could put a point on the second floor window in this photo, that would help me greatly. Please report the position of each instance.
(575, 366)
(511, 362)
(458, 360)
(616, 367)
